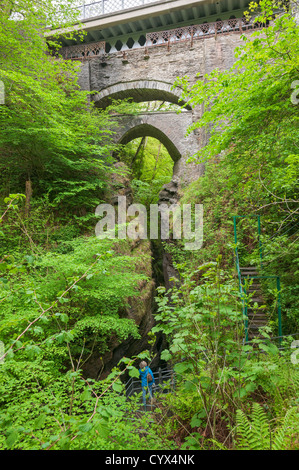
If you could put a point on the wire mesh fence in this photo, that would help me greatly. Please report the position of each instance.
(104, 7)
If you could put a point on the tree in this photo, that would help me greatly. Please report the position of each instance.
(249, 109)
(51, 136)
(252, 115)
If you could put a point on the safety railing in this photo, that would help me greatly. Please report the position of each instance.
(164, 380)
(104, 7)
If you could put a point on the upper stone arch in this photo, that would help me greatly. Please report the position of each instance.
(140, 91)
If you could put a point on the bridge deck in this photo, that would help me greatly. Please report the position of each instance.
(105, 20)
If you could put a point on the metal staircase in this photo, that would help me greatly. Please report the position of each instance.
(255, 311)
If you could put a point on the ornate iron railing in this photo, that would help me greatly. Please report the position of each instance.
(164, 38)
(83, 51)
(190, 33)
(104, 7)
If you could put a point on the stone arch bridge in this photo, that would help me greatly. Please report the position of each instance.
(169, 127)
(137, 50)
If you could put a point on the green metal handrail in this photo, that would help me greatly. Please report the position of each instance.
(241, 286)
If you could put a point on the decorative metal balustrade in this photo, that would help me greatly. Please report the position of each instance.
(104, 7)
(204, 30)
(161, 38)
(83, 51)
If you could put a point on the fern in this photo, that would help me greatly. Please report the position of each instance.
(254, 433)
(289, 428)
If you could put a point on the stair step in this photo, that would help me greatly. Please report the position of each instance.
(256, 326)
(244, 274)
(257, 320)
(250, 272)
(250, 306)
(259, 305)
(249, 276)
(249, 268)
(256, 315)
(254, 336)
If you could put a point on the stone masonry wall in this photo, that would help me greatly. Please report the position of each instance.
(158, 64)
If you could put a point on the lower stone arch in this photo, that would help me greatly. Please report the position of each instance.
(145, 129)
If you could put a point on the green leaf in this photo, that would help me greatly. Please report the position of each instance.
(86, 427)
(86, 395)
(12, 437)
(134, 372)
(117, 387)
(40, 421)
(166, 355)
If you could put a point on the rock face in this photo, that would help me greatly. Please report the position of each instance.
(119, 185)
(169, 192)
(140, 308)
(169, 195)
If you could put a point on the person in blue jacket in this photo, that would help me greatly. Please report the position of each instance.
(146, 385)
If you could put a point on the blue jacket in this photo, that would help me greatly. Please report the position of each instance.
(143, 374)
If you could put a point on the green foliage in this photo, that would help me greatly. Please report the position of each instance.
(57, 310)
(65, 295)
(252, 154)
(148, 193)
(85, 289)
(255, 433)
(49, 137)
(151, 167)
(217, 374)
(249, 106)
(223, 194)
